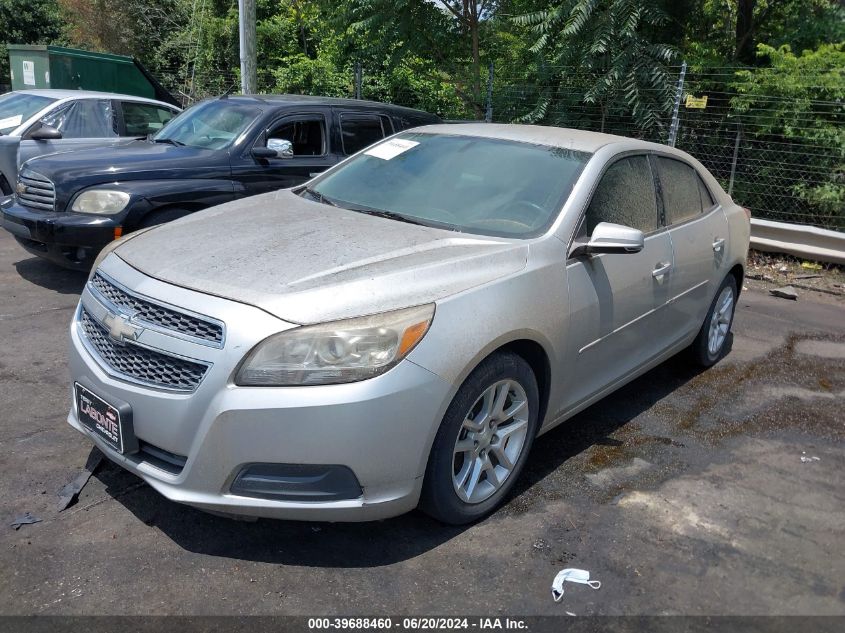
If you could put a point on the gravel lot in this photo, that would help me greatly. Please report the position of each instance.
(683, 493)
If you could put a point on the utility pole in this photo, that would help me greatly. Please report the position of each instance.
(246, 30)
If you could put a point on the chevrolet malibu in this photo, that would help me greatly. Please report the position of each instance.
(396, 332)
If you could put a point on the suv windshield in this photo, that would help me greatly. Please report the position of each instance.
(472, 184)
(210, 125)
(15, 108)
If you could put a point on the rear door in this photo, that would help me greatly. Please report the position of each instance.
(360, 129)
(699, 232)
(83, 123)
(140, 119)
(617, 300)
(312, 153)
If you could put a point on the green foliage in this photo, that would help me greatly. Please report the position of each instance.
(801, 99)
(27, 22)
(607, 44)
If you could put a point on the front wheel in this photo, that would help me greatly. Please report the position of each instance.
(483, 441)
(711, 343)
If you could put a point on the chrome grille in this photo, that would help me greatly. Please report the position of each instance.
(142, 364)
(36, 191)
(158, 315)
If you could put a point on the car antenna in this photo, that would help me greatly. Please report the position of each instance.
(229, 91)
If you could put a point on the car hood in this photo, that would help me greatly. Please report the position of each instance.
(128, 159)
(306, 262)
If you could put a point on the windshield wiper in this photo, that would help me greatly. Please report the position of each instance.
(319, 197)
(169, 141)
(391, 215)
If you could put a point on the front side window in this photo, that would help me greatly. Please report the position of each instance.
(464, 183)
(625, 195)
(143, 119)
(86, 118)
(306, 135)
(15, 108)
(681, 190)
(210, 125)
(359, 131)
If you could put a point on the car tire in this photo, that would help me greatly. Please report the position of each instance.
(161, 217)
(713, 340)
(464, 484)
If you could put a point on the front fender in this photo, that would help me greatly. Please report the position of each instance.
(152, 195)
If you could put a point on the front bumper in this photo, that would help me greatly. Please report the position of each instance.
(381, 429)
(72, 240)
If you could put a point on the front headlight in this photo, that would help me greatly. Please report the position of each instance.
(101, 202)
(337, 352)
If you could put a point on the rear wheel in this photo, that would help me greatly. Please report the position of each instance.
(711, 344)
(483, 441)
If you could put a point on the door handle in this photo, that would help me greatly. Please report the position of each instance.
(661, 269)
(718, 244)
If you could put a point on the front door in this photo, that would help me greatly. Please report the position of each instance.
(83, 123)
(616, 300)
(312, 154)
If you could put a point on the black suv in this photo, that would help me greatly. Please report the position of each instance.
(68, 206)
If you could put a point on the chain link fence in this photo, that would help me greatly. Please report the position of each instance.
(782, 157)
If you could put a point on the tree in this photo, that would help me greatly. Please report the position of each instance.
(800, 99)
(27, 22)
(607, 44)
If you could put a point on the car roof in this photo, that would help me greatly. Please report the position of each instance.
(568, 138)
(57, 93)
(286, 99)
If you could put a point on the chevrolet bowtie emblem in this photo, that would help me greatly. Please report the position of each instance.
(120, 329)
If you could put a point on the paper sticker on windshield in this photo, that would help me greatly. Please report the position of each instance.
(11, 121)
(391, 149)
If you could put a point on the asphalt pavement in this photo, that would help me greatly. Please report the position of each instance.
(683, 493)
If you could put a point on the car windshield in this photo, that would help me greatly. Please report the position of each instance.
(210, 125)
(465, 183)
(16, 107)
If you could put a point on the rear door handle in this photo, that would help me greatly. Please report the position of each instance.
(661, 269)
(718, 244)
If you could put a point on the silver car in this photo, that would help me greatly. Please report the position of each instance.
(38, 122)
(397, 332)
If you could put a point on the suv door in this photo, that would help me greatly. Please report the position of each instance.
(616, 300)
(699, 232)
(360, 129)
(83, 123)
(308, 133)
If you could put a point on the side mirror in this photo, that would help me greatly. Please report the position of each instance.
(610, 238)
(283, 148)
(276, 148)
(46, 133)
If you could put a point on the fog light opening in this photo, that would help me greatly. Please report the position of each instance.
(297, 482)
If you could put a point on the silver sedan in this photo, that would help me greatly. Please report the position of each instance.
(397, 332)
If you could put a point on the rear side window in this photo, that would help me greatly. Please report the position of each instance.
(360, 130)
(86, 118)
(625, 195)
(681, 189)
(141, 119)
(707, 201)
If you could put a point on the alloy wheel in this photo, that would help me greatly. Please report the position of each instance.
(490, 441)
(720, 321)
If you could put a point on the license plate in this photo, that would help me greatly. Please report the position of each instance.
(102, 418)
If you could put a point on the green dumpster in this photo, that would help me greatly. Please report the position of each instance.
(39, 66)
